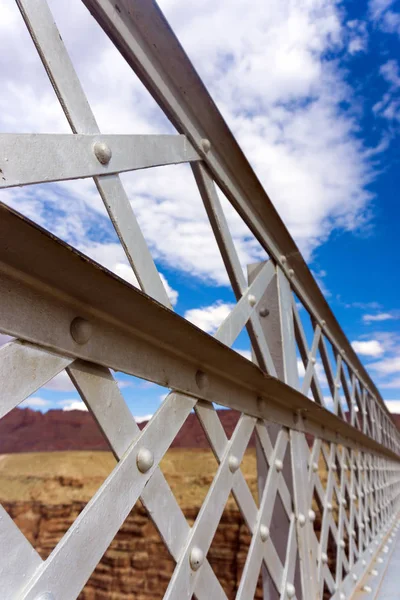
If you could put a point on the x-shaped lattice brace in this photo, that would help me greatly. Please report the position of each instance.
(33, 367)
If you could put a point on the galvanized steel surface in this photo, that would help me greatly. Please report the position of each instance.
(50, 301)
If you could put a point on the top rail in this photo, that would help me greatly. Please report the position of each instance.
(143, 36)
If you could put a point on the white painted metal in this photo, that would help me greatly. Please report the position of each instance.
(59, 157)
(23, 370)
(65, 322)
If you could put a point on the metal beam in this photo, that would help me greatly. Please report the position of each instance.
(143, 36)
(59, 157)
(45, 286)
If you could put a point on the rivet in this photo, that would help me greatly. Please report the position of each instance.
(337, 385)
(252, 300)
(345, 467)
(196, 558)
(353, 533)
(362, 526)
(355, 577)
(102, 152)
(364, 562)
(290, 590)
(354, 497)
(367, 589)
(301, 519)
(374, 573)
(324, 557)
(264, 533)
(313, 360)
(206, 145)
(283, 259)
(201, 380)
(371, 551)
(344, 502)
(81, 330)
(311, 515)
(315, 467)
(144, 460)
(323, 323)
(329, 506)
(333, 467)
(278, 465)
(342, 544)
(379, 560)
(290, 272)
(234, 463)
(264, 312)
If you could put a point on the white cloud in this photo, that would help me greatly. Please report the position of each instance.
(35, 402)
(245, 353)
(393, 406)
(368, 348)
(171, 293)
(73, 405)
(111, 256)
(358, 36)
(378, 317)
(209, 318)
(387, 19)
(269, 72)
(60, 383)
(389, 106)
(143, 418)
(387, 366)
(392, 384)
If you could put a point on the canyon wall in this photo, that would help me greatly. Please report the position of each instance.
(136, 565)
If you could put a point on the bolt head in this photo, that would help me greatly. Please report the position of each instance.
(264, 312)
(355, 577)
(367, 589)
(201, 380)
(301, 519)
(290, 590)
(264, 533)
(252, 300)
(283, 259)
(144, 460)
(102, 152)
(315, 467)
(196, 558)
(81, 330)
(278, 465)
(364, 562)
(374, 573)
(206, 145)
(290, 272)
(329, 506)
(234, 464)
(324, 558)
(311, 515)
(342, 544)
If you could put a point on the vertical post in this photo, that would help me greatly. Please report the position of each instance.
(269, 316)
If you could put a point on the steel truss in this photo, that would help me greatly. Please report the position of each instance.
(62, 309)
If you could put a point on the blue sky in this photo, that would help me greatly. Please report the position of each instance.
(311, 90)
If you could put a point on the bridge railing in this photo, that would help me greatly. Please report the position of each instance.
(326, 444)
